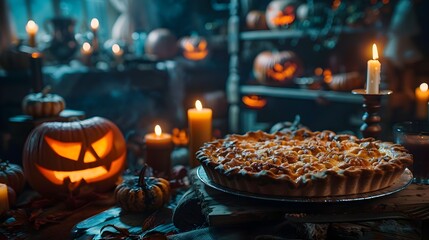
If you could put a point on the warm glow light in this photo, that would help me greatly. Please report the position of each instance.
(158, 131)
(86, 47)
(31, 27)
(94, 24)
(198, 105)
(424, 87)
(116, 49)
(374, 52)
(69, 150)
(90, 175)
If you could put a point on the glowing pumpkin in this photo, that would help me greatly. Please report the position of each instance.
(59, 157)
(194, 48)
(254, 101)
(281, 13)
(276, 68)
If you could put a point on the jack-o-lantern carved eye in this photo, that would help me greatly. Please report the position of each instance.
(71, 150)
(202, 45)
(188, 46)
(101, 147)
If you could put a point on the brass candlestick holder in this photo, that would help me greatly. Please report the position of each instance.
(372, 104)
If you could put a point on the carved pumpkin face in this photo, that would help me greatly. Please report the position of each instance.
(254, 101)
(280, 13)
(194, 48)
(278, 68)
(59, 156)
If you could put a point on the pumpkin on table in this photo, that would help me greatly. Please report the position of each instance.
(161, 44)
(12, 175)
(43, 104)
(138, 194)
(255, 20)
(60, 156)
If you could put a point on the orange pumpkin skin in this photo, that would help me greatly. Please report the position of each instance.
(255, 20)
(60, 157)
(276, 68)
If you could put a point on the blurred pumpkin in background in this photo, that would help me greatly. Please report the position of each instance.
(194, 47)
(255, 20)
(281, 13)
(161, 44)
(276, 68)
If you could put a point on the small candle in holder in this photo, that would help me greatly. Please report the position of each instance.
(4, 200)
(373, 73)
(94, 28)
(94, 25)
(422, 98)
(200, 129)
(31, 28)
(86, 53)
(117, 53)
(159, 146)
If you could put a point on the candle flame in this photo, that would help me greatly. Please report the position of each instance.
(198, 105)
(424, 87)
(158, 130)
(94, 24)
(374, 52)
(31, 27)
(116, 49)
(86, 47)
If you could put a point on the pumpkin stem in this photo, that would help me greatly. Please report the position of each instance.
(3, 164)
(46, 90)
(142, 181)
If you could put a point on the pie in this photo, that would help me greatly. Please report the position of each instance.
(303, 163)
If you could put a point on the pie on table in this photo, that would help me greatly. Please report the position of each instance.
(303, 163)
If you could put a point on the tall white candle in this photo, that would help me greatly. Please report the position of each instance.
(373, 73)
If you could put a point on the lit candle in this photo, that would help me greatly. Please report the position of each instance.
(94, 25)
(200, 129)
(31, 28)
(4, 201)
(117, 53)
(86, 53)
(373, 73)
(422, 98)
(159, 146)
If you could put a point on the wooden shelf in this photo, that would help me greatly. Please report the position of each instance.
(304, 94)
(294, 33)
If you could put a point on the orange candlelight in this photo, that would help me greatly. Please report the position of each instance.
(422, 98)
(158, 152)
(200, 129)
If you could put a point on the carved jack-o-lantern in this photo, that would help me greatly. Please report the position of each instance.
(62, 156)
(281, 13)
(194, 48)
(276, 68)
(254, 101)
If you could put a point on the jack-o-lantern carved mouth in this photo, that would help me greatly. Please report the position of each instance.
(89, 175)
(280, 74)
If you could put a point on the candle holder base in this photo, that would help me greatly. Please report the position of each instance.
(372, 104)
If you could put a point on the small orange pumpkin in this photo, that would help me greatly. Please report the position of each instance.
(138, 194)
(43, 104)
(59, 157)
(276, 68)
